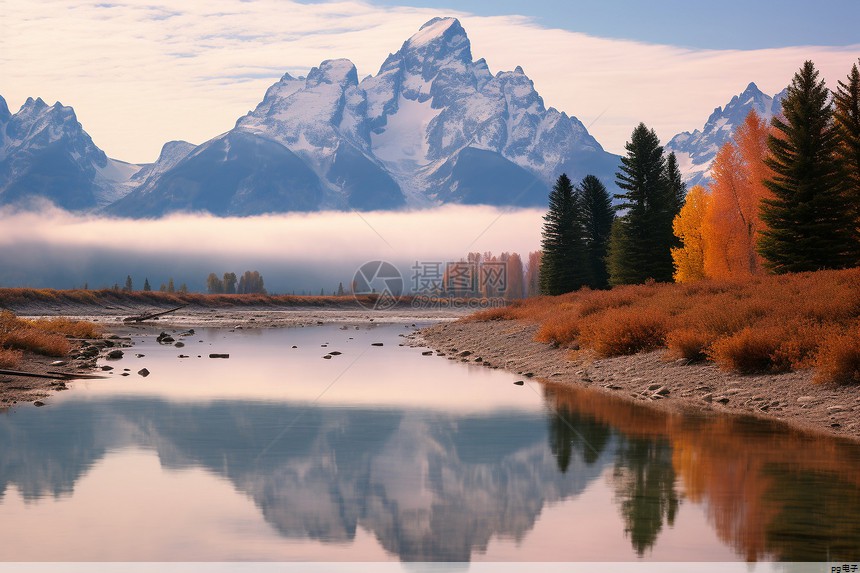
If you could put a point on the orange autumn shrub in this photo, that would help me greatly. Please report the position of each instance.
(619, 332)
(758, 324)
(10, 358)
(839, 359)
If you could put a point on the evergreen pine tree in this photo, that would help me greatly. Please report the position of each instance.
(129, 286)
(677, 189)
(170, 287)
(847, 115)
(564, 267)
(648, 203)
(146, 286)
(809, 222)
(597, 215)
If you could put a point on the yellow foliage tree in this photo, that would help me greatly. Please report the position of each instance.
(732, 224)
(689, 258)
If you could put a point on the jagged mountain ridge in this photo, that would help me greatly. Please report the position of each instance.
(45, 153)
(431, 127)
(696, 150)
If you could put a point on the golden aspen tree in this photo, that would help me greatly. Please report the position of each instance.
(689, 258)
(732, 224)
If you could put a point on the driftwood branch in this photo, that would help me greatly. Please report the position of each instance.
(51, 375)
(142, 317)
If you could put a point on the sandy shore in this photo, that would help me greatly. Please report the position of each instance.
(649, 379)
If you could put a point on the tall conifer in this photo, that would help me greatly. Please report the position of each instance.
(564, 267)
(809, 220)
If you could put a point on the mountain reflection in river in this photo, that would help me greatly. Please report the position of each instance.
(433, 485)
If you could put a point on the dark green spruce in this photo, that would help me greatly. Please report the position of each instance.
(597, 215)
(564, 265)
(846, 113)
(809, 219)
(642, 235)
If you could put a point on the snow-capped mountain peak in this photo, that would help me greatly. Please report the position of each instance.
(431, 127)
(696, 150)
(45, 152)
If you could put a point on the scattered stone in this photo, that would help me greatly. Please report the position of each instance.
(114, 355)
(179, 344)
(708, 397)
(143, 372)
(428, 353)
(529, 374)
(125, 374)
(479, 359)
(327, 356)
(465, 353)
(376, 343)
(519, 383)
(219, 356)
(722, 399)
(182, 356)
(835, 409)
(38, 403)
(59, 363)
(662, 391)
(655, 386)
(294, 346)
(335, 352)
(106, 368)
(139, 355)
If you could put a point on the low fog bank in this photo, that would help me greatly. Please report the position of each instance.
(294, 252)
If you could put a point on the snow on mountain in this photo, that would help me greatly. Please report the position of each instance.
(430, 102)
(433, 126)
(45, 153)
(172, 153)
(696, 151)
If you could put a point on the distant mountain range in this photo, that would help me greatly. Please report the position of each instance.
(696, 151)
(431, 127)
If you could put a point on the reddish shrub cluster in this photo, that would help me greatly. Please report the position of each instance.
(764, 324)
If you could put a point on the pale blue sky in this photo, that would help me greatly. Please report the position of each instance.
(721, 24)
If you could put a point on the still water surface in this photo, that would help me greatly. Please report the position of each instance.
(382, 454)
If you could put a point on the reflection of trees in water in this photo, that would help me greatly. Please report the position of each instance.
(817, 518)
(644, 480)
(571, 431)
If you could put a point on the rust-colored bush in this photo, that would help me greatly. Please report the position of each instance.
(760, 324)
(751, 351)
(838, 360)
(10, 358)
(689, 343)
(618, 331)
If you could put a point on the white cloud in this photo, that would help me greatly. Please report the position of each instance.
(140, 73)
(51, 247)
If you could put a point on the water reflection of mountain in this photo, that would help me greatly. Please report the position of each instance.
(434, 486)
(429, 486)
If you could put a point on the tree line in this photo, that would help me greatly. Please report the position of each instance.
(250, 282)
(785, 197)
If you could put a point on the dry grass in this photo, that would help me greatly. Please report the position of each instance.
(839, 359)
(48, 337)
(767, 324)
(22, 297)
(10, 358)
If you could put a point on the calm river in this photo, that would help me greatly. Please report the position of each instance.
(383, 454)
